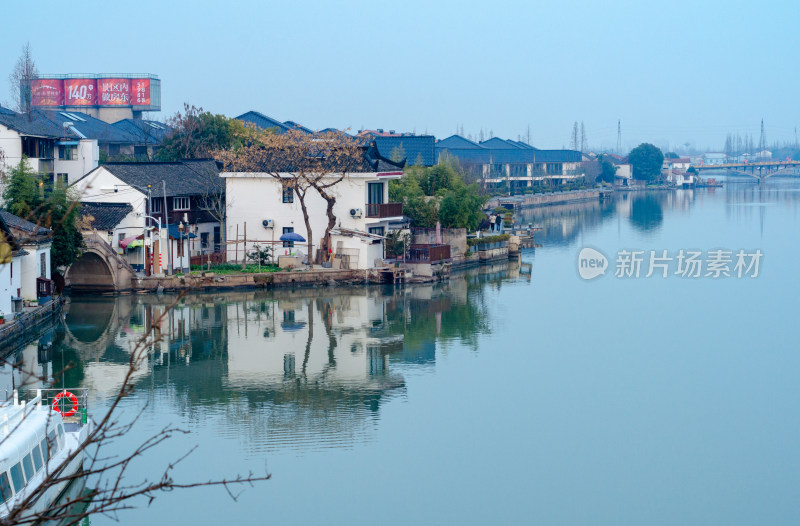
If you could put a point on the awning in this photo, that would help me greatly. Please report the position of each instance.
(175, 233)
(67, 143)
(136, 243)
(349, 232)
(128, 241)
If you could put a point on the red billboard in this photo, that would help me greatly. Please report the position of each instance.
(47, 92)
(80, 92)
(140, 92)
(114, 92)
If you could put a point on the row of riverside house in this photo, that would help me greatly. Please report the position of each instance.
(162, 217)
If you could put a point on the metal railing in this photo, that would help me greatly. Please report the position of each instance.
(65, 404)
(385, 210)
(429, 253)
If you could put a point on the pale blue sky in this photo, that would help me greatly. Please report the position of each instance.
(671, 71)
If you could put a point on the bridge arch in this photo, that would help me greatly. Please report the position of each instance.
(99, 269)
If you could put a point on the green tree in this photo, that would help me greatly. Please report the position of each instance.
(462, 207)
(195, 134)
(607, 171)
(646, 161)
(55, 207)
(438, 193)
(671, 155)
(22, 194)
(398, 153)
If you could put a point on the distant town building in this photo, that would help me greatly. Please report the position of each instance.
(497, 162)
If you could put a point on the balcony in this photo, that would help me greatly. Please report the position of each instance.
(384, 210)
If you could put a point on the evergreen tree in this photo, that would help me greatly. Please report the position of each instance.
(56, 209)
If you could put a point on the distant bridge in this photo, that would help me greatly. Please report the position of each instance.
(759, 170)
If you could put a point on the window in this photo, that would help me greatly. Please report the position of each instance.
(27, 463)
(375, 193)
(180, 203)
(113, 150)
(288, 194)
(5, 487)
(554, 169)
(180, 247)
(156, 205)
(204, 240)
(217, 239)
(43, 265)
(67, 153)
(37, 458)
(52, 443)
(45, 450)
(17, 478)
(288, 230)
(62, 179)
(378, 231)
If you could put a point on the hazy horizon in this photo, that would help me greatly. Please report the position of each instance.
(671, 74)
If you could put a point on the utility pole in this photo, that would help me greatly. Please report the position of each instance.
(166, 227)
(619, 137)
(762, 141)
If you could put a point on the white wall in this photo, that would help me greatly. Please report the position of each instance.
(252, 198)
(86, 160)
(5, 289)
(31, 268)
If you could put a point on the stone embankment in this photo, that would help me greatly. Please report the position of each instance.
(524, 201)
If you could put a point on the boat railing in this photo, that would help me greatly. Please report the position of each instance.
(65, 403)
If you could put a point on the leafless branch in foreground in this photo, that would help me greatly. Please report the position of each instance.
(107, 468)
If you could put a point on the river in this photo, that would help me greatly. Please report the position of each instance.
(514, 394)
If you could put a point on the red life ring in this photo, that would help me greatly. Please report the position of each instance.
(72, 398)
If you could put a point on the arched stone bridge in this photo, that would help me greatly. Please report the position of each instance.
(99, 269)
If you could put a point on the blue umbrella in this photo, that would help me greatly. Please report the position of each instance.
(292, 236)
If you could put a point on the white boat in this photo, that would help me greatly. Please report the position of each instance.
(36, 439)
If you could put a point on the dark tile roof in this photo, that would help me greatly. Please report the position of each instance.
(25, 228)
(187, 177)
(147, 132)
(50, 123)
(7, 236)
(106, 215)
(263, 122)
(34, 126)
(90, 127)
(419, 149)
(457, 142)
(500, 151)
(6, 111)
(292, 124)
(499, 144)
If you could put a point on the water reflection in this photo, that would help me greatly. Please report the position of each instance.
(298, 368)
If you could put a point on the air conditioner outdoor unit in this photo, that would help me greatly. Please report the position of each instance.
(268, 223)
(356, 212)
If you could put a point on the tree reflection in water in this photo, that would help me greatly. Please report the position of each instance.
(305, 367)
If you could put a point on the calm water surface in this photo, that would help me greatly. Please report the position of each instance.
(501, 397)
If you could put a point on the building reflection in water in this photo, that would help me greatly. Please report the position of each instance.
(303, 368)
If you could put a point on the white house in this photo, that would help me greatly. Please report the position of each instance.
(268, 208)
(35, 266)
(188, 188)
(11, 255)
(59, 152)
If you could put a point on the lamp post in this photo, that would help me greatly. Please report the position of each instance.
(181, 250)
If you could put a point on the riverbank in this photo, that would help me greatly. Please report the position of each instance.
(26, 327)
(525, 201)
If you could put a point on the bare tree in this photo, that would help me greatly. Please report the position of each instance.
(104, 464)
(301, 162)
(21, 78)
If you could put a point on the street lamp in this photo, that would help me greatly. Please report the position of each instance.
(181, 250)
